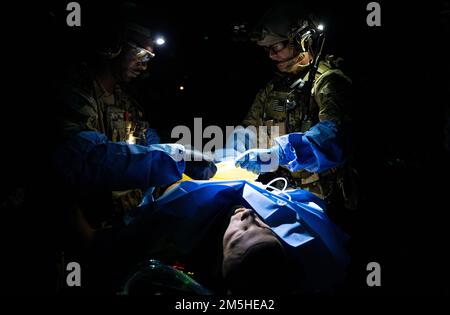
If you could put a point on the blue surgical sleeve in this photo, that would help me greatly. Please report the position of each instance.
(318, 149)
(92, 162)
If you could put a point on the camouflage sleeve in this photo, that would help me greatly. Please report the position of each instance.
(332, 95)
(255, 114)
(78, 113)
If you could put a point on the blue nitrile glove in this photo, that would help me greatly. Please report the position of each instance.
(151, 136)
(260, 160)
(322, 147)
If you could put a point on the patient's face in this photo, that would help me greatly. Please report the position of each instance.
(245, 230)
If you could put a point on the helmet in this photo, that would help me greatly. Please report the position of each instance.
(140, 36)
(285, 23)
(110, 45)
(123, 28)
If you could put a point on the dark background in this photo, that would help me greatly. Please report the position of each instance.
(399, 73)
(220, 69)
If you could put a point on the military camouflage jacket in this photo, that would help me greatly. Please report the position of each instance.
(88, 106)
(279, 104)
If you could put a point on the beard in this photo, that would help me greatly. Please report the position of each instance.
(292, 65)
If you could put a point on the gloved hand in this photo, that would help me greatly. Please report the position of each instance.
(260, 160)
(198, 166)
(151, 136)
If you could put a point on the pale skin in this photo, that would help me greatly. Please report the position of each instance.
(245, 230)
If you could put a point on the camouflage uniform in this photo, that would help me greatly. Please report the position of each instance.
(89, 107)
(298, 111)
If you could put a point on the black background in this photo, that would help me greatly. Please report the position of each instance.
(399, 72)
